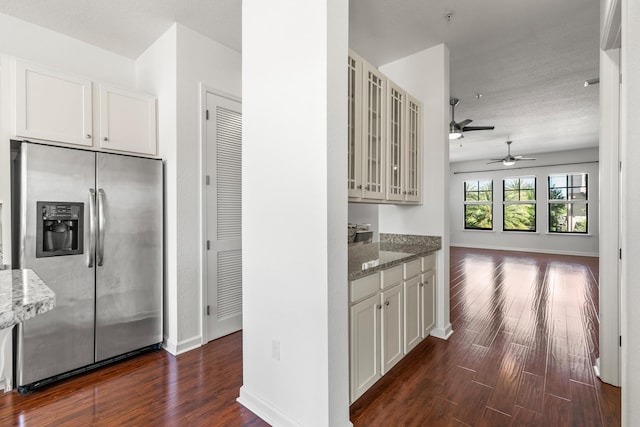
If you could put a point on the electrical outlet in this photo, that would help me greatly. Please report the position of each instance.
(275, 349)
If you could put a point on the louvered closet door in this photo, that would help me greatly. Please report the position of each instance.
(224, 216)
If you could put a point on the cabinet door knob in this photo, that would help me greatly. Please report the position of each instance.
(421, 284)
(379, 307)
(105, 139)
(386, 303)
(359, 187)
(366, 188)
(88, 136)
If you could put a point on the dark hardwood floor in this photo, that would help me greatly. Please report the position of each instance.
(524, 343)
(525, 340)
(197, 388)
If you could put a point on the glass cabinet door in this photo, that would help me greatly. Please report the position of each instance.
(413, 151)
(373, 170)
(354, 134)
(395, 140)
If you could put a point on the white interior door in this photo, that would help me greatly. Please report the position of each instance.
(223, 131)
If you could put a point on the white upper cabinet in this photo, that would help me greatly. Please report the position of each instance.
(52, 106)
(354, 131)
(374, 138)
(395, 141)
(413, 151)
(384, 143)
(64, 108)
(127, 121)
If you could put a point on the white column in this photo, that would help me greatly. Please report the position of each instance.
(630, 197)
(295, 318)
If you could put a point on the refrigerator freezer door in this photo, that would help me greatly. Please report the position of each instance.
(62, 339)
(129, 254)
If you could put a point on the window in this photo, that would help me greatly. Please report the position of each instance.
(568, 203)
(519, 206)
(478, 205)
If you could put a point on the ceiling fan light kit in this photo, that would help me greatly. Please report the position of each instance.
(509, 160)
(457, 130)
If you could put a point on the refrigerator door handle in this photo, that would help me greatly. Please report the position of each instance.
(101, 225)
(92, 227)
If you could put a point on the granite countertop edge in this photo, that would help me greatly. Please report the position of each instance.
(23, 295)
(401, 248)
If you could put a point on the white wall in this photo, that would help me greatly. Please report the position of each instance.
(59, 52)
(174, 67)
(630, 197)
(541, 240)
(426, 76)
(294, 170)
(365, 213)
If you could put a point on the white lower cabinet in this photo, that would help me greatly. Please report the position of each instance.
(389, 315)
(413, 303)
(365, 345)
(427, 294)
(392, 327)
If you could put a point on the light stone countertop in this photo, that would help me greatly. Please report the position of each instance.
(393, 249)
(23, 295)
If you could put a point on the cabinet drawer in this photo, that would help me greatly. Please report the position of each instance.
(391, 276)
(412, 268)
(429, 262)
(364, 287)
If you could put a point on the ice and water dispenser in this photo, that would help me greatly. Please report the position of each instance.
(59, 230)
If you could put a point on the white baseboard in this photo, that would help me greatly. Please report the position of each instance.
(442, 333)
(539, 251)
(265, 410)
(183, 346)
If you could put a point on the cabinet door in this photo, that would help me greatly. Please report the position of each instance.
(52, 106)
(392, 327)
(354, 131)
(373, 156)
(396, 125)
(365, 345)
(412, 313)
(413, 151)
(428, 302)
(127, 121)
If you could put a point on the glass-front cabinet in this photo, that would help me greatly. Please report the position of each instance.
(373, 127)
(384, 137)
(395, 140)
(413, 150)
(354, 142)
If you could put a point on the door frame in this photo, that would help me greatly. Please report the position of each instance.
(204, 289)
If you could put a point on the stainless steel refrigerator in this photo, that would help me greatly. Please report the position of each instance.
(90, 225)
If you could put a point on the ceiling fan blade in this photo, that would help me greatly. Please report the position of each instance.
(470, 128)
(495, 161)
(524, 158)
(465, 122)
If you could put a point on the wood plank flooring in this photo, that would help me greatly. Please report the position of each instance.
(526, 336)
(197, 388)
(525, 340)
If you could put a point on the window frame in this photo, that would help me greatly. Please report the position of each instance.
(533, 202)
(568, 201)
(477, 203)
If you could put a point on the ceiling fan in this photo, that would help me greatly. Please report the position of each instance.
(510, 160)
(456, 129)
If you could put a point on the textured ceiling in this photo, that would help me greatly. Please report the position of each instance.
(528, 58)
